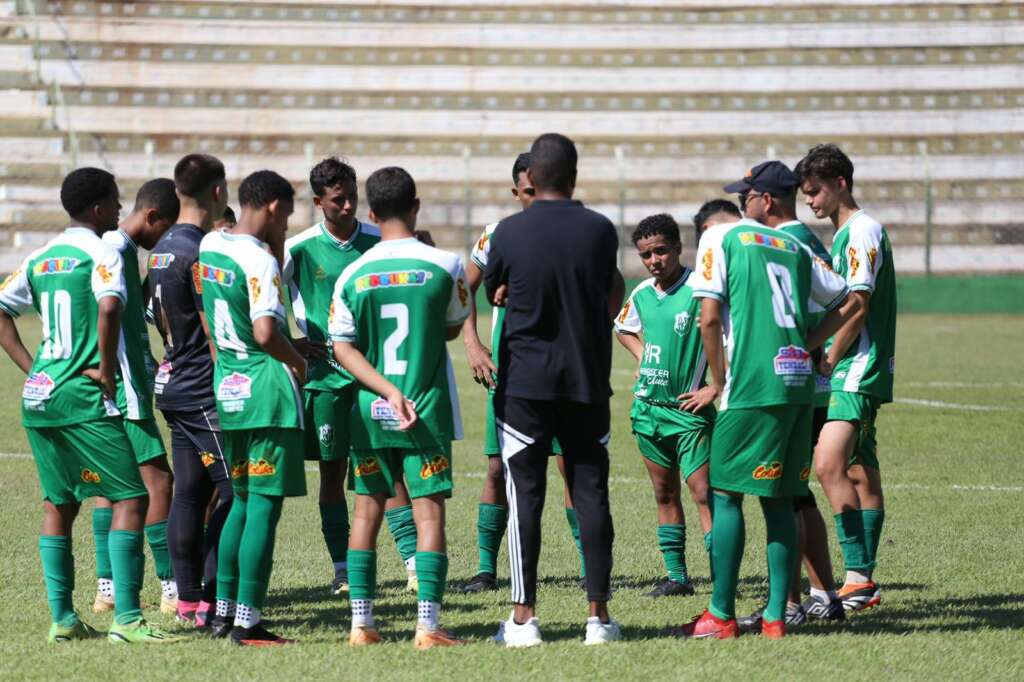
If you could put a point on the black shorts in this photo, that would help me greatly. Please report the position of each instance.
(196, 433)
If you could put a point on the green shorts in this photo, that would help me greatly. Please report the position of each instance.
(373, 472)
(491, 447)
(88, 459)
(863, 410)
(763, 451)
(327, 418)
(144, 435)
(671, 438)
(266, 461)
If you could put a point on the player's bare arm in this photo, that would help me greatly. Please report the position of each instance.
(478, 356)
(266, 333)
(857, 308)
(10, 341)
(349, 357)
(711, 335)
(453, 332)
(209, 338)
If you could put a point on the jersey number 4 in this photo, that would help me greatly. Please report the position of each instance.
(398, 312)
(224, 330)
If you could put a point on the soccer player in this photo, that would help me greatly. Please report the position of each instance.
(757, 286)
(227, 220)
(314, 259)
(768, 195)
(715, 212)
(492, 513)
(76, 285)
(184, 386)
(257, 375)
(392, 312)
(862, 360)
(156, 208)
(659, 326)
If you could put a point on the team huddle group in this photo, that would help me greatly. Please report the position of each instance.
(795, 345)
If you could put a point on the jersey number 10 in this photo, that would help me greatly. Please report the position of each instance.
(56, 325)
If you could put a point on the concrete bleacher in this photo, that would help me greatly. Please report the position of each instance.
(667, 101)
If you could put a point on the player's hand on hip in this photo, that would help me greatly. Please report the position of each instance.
(824, 366)
(481, 365)
(301, 372)
(108, 384)
(405, 411)
(310, 350)
(695, 401)
(501, 295)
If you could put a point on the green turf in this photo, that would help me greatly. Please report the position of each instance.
(950, 559)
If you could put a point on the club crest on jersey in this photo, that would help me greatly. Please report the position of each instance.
(435, 466)
(90, 476)
(207, 458)
(758, 239)
(326, 435)
(851, 253)
(404, 278)
(161, 261)
(793, 364)
(262, 468)
(707, 260)
(367, 467)
(682, 323)
(211, 273)
(55, 266)
(771, 472)
(38, 387)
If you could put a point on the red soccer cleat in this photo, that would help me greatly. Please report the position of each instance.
(709, 626)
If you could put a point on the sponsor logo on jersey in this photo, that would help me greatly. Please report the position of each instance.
(207, 458)
(239, 469)
(55, 266)
(851, 254)
(367, 467)
(404, 278)
(254, 289)
(707, 260)
(326, 435)
(482, 243)
(90, 476)
(38, 386)
(682, 323)
(460, 287)
(768, 473)
(10, 278)
(280, 291)
(805, 473)
(872, 256)
(624, 313)
(161, 261)
(103, 272)
(197, 279)
(235, 386)
(793, 361)
(435, 466)
(210, 273)
(758, 239)
(262, 468)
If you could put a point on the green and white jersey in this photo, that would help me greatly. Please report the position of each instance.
(822, 384)
(862, 253)
(313, 261)
(138, 369)
(63, 282)
(481, 250)
(673, 360)
(242, 283)
(769, 284)
(395, 303)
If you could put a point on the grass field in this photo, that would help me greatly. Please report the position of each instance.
(951, 557)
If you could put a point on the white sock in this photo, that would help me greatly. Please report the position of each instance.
(594, 620)
(362, 613)
(855, 577)
(246, 616)
(827, 596)
(428, 614)
(340, 567)
(410, 565)
(105, 586)
(225, 608)
(169, 588)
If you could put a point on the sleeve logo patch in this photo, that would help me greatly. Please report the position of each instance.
(197, 280)
(851, 255)
(872, 256)
(624, 313)
(55, 266)
(104, 273)
(254, 289)
(460, 286)
(708, 260)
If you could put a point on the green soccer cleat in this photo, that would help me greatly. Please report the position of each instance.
(61, 633)
(139, 632)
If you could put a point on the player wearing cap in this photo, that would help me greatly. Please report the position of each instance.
(862, 360)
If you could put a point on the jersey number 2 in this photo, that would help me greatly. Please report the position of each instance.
(398, 312)
(783, 306)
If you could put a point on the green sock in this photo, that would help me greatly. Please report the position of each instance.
(872, 520)
(403, 530)
(256, 551)
(362, 574)
(101, 518)
(432, 572)
(574, 526)
(782, 553)
(672, 543)
(128, 564)
(59, 573)
(227, 550)
(728, 536)
(491, 520)
(850, 532)
(334, 526)
(156, 535)
(707, 548)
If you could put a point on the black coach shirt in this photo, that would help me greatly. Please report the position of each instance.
(184, 380)
(558, 260)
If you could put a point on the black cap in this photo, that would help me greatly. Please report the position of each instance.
(773, 177)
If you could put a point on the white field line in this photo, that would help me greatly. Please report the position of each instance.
(962, 384)
(951, 406)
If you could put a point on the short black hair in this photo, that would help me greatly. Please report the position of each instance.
(85, 187)
(553, 162)
(263, 187)
(159, 194)
(710, 208)
(827, 162)
(330, 172)
(521, 165)
(661, 223)
(229, 214)
(391, 192)
(196, 172)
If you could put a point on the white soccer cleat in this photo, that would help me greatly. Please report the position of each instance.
(516, 636)
(602, 633)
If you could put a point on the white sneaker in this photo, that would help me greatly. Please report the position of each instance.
(514, 636)
(602, 633)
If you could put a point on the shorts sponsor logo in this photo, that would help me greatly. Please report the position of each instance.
(262, 468)
(707, 261)
(851, 254)
(805, 474)
(767, 241)
(794, 365)
(90, 476)
(239, 469)
(38, 386)
(403, 278)
(326, 435)
(768, 473)
(55, 266)
(103, 272)
(254, 289)
(210, 273)
(235, 386)
(682, 323)
(435, 466)
(207, 458)
(367, 467)
(160, 261)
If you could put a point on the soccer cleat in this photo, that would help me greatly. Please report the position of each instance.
(754, 623)
(602, 633)
(514, 635)
(168, 606)
(340, 583)
(139, 632)
(860, 596)
(102, 603)
(821, 610)
(709, 626)
(773, 629)
(61, 633)
(481, 582)
(428, 639)
(257, 635)
(751, 623)
(220, 626)
(361, 636)
(412, 584)
(671, 588)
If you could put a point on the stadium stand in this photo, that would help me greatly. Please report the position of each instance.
(667, 101)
